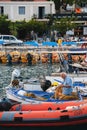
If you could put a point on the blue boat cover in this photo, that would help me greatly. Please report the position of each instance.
(69, 43)
(31, 43)
(49, 44)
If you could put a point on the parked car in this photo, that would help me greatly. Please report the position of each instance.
(10, 40)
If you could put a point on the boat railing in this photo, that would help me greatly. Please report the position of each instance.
(43, 49)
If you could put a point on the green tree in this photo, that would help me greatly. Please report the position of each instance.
(79, 2)
(4, 25)
(21, 27)
(59, 2)
(13, 28)
(69, 1)
(64, 24)
(37, 26)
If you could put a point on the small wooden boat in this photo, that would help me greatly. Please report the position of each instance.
(10, 57)
(33, 91)
(80, 67)
(26, 95)
(15, 56)
(3, 57)
(31, 56)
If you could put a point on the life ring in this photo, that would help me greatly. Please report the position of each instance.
(23, 57)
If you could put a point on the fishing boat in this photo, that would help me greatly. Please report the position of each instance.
(33, 91)
(79, 67)
(36, 96)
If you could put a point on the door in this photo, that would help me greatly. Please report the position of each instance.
(1, 10)
(41, 12)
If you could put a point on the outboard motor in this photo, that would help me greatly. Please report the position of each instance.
(70, 62)
(50, 58)
(29, 58)
(45, 84)
(0, 60)
(9, 59)
(15, 74)
(6, 104)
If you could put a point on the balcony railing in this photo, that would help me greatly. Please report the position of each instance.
(81, 16)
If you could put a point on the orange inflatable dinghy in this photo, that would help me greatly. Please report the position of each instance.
(46, 105)
(71, 115)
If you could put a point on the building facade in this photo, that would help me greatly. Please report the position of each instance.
(26, 10)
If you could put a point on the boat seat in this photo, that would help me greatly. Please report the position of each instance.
(74, 96)
(21, 92)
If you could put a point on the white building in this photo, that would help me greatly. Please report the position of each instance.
(26, 10)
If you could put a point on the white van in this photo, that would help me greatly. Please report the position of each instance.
(10, 40)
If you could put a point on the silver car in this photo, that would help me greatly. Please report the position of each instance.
(10, 40)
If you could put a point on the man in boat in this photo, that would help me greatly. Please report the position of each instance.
(65, 91)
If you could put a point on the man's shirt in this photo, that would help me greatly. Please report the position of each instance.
(67, 82)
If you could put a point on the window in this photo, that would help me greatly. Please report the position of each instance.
(12, 38)
(5, 37)
(0, 37)
(1, 10)
(41, 12)
(8, 38)
(22, 10)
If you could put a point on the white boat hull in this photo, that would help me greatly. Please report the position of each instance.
(20, 100)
